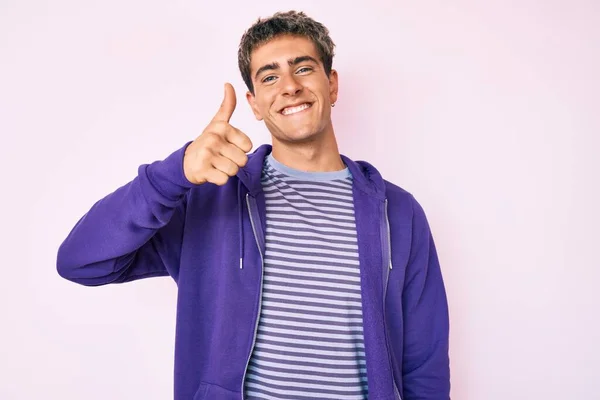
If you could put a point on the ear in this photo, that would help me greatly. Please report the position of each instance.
(252, 102)
(333, 86)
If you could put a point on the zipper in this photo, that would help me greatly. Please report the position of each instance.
(397, 391)
(386, 244)
(251, 212)
(388, 236)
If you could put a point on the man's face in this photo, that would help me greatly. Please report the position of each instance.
(292, 93)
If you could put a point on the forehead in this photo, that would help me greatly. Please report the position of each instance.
(280, 49)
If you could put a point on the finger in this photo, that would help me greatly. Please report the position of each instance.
(216, 176)
(225, 165)
(238, 138)
(227, 106)
(235, 154)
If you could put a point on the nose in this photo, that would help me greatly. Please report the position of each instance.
(290, 86)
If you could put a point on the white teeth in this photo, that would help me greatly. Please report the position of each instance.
(292, 110)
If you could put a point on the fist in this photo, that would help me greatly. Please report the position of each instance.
(220, 151)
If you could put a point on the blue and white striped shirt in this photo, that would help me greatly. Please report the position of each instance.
(310, 337)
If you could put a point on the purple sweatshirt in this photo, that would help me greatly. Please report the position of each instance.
(210, 240)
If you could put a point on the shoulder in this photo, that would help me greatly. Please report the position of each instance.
(398, 196)
(403, 206)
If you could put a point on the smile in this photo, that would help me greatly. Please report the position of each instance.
(295, 109)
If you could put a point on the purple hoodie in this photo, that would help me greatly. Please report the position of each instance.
(210, 240)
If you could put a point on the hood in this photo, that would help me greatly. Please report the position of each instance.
(366, 177)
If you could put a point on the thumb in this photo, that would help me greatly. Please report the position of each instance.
(227, 106)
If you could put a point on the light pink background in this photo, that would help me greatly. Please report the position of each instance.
(488, 112)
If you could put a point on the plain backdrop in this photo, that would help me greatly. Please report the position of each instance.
(488, 112)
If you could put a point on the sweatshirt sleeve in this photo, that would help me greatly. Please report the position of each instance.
(426, 370)
(134, 232)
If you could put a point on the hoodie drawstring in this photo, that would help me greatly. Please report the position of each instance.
(240, 222)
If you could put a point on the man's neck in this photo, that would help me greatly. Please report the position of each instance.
(317, 156)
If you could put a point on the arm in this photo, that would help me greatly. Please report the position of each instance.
(426, 370)
(134, 232)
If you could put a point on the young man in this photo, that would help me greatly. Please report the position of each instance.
(301, 274)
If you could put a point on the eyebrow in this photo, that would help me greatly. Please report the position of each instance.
(291, 62)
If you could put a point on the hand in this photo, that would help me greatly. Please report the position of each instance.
(220, 151)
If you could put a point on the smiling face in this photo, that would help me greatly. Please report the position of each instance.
(292, 92)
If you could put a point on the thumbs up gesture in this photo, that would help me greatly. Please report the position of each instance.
(220, 151)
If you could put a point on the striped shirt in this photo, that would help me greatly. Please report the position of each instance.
(309, 343)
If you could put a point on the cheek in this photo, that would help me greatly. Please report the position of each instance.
(265, 103)
(259, 109)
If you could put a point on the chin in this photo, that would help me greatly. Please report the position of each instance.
(299, 137)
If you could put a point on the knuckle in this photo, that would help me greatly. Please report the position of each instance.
(221, 180)
(233, 169)
(211, 139)
(214, 145)
(205, 154)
